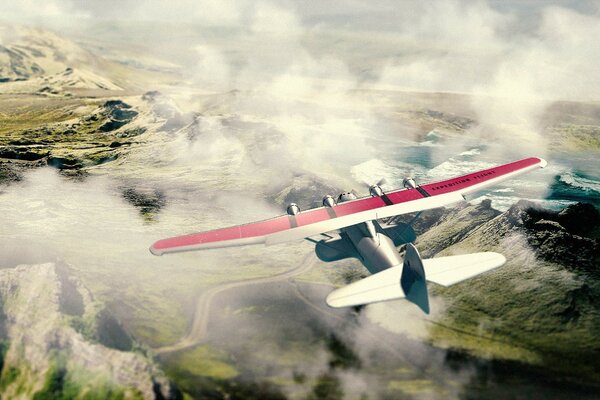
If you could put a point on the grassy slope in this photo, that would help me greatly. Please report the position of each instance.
(521, 311)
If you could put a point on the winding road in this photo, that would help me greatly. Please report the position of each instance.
(199, 326)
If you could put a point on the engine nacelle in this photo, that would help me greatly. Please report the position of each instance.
(346, 197)
(293, 209)
(409, 183)
(375, 191)
(328, 201)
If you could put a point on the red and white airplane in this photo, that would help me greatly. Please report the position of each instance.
(350, 227)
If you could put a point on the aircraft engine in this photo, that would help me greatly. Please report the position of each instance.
(409, 183)
(375, 191)
(293, 209)
(346, 197)
(328, 201)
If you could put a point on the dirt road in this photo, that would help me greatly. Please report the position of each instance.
(199, 327)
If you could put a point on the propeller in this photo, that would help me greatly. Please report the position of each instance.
(375, 189)
(382, 181)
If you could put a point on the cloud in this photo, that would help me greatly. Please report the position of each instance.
(514, 71)
(35, 12)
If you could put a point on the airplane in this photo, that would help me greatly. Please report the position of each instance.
(351, 227)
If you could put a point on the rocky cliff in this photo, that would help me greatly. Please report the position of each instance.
(57, 340)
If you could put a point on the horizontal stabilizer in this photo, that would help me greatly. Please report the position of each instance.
(385, 285)
(447, 271)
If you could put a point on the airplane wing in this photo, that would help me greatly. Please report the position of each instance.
(447, 271)
(324, 219)
(385, 285)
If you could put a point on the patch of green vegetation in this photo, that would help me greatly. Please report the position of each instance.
(86, 324)
(234, 389)
(68, 134)
(573, 137)
(13, 379)
(205, 372)
(149, 202)
(20, 114)
(9, 376)
(523, 321)
(206, 361)
(99, 325)
(411, 386)
(61, 384)
(81, 326)
(54, 385)
(152, 318)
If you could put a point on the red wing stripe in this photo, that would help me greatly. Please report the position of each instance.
(403, 195)
(465, 181)
(353, 207)
(312, 216)
(235, 232)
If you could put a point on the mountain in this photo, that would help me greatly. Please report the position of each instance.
(57, 339)
(26, 53)
(62, 83)
(543, 305)
(43, 62)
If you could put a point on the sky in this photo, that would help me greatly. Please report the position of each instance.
(377, 15)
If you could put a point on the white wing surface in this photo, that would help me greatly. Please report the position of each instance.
(447, 271)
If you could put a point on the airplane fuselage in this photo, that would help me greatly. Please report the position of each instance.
(376, 249)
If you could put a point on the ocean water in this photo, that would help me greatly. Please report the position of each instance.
(568, 178)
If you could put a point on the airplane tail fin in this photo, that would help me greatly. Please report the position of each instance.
(412, 280)
(412, 276)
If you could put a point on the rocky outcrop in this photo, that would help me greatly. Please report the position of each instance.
(148, 201)
(117, 114)
(563, 237)
(94, 134)
(55, 336)
(569, 236)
